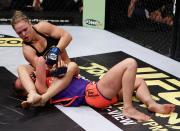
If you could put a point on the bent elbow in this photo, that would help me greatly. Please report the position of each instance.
(69, 37)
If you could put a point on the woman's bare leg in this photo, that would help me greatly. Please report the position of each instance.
(122, 77)
(40, 83)
(28, 84)
(143, 94)
(59, 83)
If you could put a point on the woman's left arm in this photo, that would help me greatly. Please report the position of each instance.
(56, 32)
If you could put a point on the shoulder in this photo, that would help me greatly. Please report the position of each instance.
(44, 27)
(27, 49)
(28, 52)
(42, 24)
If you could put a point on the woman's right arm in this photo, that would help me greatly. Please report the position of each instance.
(30, 55)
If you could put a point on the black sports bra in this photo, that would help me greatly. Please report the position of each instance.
(50, 42)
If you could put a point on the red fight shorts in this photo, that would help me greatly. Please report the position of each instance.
(95, 99)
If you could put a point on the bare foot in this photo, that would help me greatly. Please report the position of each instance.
(31, 99)
(42, 102)
(25, 105)
(131, 112)
(161, 108)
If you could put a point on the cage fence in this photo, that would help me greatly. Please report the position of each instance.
(63, 12)
(150, 23)
(146, 22)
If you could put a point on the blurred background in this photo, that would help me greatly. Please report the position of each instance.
(151, 23)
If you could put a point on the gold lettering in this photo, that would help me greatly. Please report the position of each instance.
(174, 127)
(171, 97)
(154, 75)
(174, 81)
(95, 69)
(158, 128)
(155, 98)
(174, 119)
(145, 69)
(151, 123)
(162, 115)
(160, 84)
(10, 42)
(154, 125)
